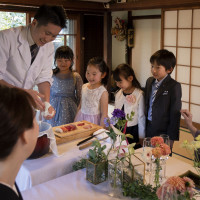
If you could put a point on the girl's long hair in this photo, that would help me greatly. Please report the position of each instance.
(63, 52)
(102, 66)
(125, 70)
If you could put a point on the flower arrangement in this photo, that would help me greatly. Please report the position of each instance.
(119, 31)
(193, 148)
(117, 127)
(96, 165)
(177, 188)
(159, 149)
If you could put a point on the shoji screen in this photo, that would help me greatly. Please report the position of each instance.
(181, 35)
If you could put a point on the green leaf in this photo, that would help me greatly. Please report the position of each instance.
(129, 135)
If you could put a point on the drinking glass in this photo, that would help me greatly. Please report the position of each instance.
(166, 141)
(164, 158)
(147, 152)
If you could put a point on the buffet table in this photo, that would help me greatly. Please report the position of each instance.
(74, 185)
(48, 167)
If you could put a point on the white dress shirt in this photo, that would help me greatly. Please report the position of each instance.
(15, 56)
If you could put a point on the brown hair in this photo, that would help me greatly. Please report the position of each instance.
(16, 116)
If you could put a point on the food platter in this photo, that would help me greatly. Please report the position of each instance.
(74, 131)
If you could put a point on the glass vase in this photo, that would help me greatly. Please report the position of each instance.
(96, 173)
(115, 178)
(157, 174)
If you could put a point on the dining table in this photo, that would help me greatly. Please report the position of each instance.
(75, 186)
(50, 166)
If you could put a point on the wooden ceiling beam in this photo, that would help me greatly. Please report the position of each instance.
(153, 4)
(68, 5)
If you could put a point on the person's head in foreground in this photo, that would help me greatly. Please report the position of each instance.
(18, 132)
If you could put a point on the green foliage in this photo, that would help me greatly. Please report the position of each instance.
(79, 164)
(12, 19)
(137, 189)
(97, 153)
(130, 118)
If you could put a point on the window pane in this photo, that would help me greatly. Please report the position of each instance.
(170, 19)
(183, 74)
(195, 110)
(71, 42)
(185, 19)
(59, 41)
(12, 19)
(184, 38)
(196, 17)
(195, 97)
(170, 37)
(196, 57)
(183, 56)
(71, 27)
(196, 38)
(185, 92)
(195, 80)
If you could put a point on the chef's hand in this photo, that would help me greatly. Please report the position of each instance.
(51, 110)
(36, 96)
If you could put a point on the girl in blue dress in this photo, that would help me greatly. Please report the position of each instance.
(65, 93)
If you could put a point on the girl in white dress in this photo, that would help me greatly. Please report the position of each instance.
(130, 98)
(94, 99)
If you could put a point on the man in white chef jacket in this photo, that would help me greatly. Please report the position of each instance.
(17, 69)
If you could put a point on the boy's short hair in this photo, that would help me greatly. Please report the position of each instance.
(165, 58)
(51, 14)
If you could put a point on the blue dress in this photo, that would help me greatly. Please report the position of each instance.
(65, 95)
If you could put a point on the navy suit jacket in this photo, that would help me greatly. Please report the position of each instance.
(166, 107)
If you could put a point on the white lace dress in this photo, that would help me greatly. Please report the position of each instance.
(90, 104)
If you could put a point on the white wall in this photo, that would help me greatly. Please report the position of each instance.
(118, 47)
(147, 41)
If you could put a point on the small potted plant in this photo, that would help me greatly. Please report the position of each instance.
(96, 164)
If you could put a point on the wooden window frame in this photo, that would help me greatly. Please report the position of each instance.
(176, 46)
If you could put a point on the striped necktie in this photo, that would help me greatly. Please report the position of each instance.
(154, 94)
(155, 91)
(34, 50)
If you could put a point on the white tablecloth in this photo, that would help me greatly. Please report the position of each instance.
(75, 186)
(48, 167)
(72, 186)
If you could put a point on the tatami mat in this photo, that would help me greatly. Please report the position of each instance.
(180, 152)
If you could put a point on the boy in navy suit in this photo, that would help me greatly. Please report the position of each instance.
(162, 97)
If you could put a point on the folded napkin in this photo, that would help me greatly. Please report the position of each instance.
(45, 113)
(45, 128)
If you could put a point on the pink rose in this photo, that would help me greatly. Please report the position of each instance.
(131, 98)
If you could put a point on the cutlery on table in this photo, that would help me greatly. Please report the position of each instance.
(90, 143)
(89, 138)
